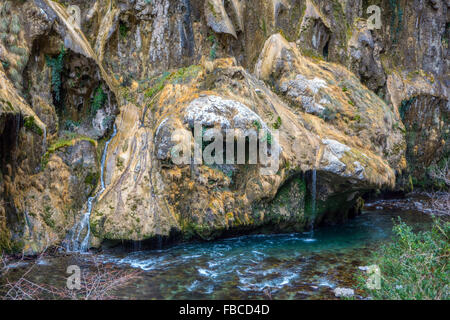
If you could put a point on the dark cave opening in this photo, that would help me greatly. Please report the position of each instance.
(326, 50)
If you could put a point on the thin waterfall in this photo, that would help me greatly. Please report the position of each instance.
(74, 242)
(314, 191)
(44, 138)
(319, 152)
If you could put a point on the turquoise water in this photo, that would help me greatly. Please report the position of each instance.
(283, 266)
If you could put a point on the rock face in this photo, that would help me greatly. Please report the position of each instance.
(345, 109)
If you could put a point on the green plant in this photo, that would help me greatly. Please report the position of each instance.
(64, 143)
(328, 114)
(123, 30)
(15, 76)
(98, 101)
(257, 125)
(414, 265)
(277, 124)
(71, 125)
(57, 64)
(14, 27)
(161, 82)
(92, 178)
(213, 51)
(267, 137)
(47, 217)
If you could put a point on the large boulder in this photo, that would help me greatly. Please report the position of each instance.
(151, 194)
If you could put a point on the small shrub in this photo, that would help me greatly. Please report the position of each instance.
(98, 101)
(257, 125)
(71, 125)
(18, 50)
(277, 124)
(213, 51)
(414, 265)
(4, 25)
(15, 76)
(123, 30)
(15, 25)
(57, 65)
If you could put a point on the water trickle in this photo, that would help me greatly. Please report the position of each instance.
(319, 154)
(73, 241)
(44, 139)
(314, 191)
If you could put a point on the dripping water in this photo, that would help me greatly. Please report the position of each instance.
(44, 139)
(314, 191)
(74, 242)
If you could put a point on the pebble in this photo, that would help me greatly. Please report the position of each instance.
(344, 292)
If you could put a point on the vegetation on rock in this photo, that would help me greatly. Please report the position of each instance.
(414, 265)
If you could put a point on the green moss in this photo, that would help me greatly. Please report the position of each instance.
(5, 240)
(183, 75)
(311, 54)
(179, 76)
(211, 8)
(92, 178)
(63, 143)
(31, 125)
(291, 198)
(160, 83)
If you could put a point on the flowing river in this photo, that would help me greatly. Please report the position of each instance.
(280, 266)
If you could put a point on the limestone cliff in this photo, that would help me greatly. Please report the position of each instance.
(356, 110)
